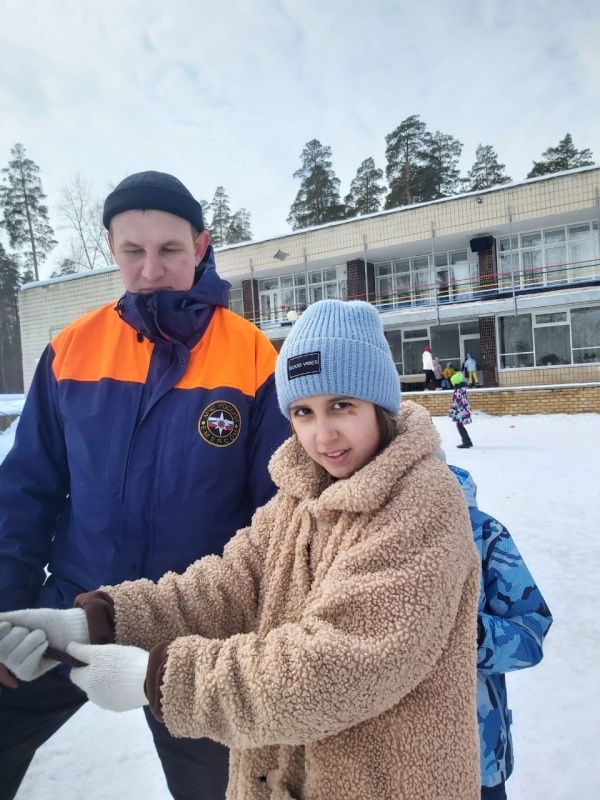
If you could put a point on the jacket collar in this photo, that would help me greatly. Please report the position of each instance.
(177, 316)
(371, 487)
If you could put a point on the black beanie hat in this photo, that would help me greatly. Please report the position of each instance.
(153, 190)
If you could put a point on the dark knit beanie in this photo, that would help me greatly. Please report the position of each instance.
(153, 190)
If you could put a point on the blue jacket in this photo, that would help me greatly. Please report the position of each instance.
(470, 364)
(513, 621)
(143, 445)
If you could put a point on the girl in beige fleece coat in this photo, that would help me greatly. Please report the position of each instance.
(332, 647)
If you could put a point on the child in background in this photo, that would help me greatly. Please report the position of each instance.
(470, 367)
(460, 410)
(438, 373)
(332, 646)
(448, 373)
(513, 620)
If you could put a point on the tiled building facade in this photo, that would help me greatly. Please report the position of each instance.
(510, 274)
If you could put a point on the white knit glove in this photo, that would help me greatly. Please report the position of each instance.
(115, 676)
(22, 651)
(60, 627)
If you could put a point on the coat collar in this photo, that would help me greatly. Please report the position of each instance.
(179, 316)
(370, 488)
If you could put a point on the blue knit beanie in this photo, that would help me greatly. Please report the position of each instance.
(153, 190)
(337, 347)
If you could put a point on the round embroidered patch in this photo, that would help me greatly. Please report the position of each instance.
(220, 423)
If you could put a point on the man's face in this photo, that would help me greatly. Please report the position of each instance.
(155, 251)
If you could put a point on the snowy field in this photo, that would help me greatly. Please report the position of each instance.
(11, 403)
(540, 475)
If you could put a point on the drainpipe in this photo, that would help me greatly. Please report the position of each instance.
(512, 266)
(306, 277)
(435, 294)
(366, 270)
(598, 217)
(252, 292)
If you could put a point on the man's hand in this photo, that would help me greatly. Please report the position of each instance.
(7, 679)
(60, 627)
(115, 676)
(22, 651)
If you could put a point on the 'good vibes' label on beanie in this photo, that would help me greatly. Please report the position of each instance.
(306, 364)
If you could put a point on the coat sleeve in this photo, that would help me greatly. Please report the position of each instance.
(454, 410)
(269, 429)
(373, 631)
(216, 597)
(34, 484)
(513, 617)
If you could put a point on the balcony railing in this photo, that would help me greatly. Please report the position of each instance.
(484, 287)
(489, 286)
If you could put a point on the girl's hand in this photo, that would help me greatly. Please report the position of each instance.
(115, 675)
(60, 627)
(22, 651)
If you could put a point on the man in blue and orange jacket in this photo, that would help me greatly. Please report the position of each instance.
(143, 446)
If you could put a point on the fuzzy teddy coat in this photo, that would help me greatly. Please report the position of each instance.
(333, 646)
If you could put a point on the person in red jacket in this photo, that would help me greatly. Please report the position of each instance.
(142, 447)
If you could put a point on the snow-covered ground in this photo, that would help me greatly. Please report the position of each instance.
(11, 403)
(540, 475)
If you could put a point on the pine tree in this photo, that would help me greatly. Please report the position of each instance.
(25, 215)
(11, 376)
(206, 209)
(365, 190)
(407, 159)
(239, 227)
(318, 199)
(486, 171)
(221, 217)
(441, 166)
(67, 266)
(564, 156)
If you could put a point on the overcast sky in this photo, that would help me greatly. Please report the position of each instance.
(228, 92)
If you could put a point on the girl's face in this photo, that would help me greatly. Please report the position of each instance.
(339, 433)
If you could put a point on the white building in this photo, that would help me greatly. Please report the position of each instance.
(510, 274)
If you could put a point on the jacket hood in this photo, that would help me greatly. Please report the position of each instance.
(369, 488)
(177, 315)
(467, 484)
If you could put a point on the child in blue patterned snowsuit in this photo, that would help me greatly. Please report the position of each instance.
(512, 622)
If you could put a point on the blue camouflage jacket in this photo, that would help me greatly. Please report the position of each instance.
(513, 620)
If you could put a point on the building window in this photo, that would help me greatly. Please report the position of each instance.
(412, 350)
(585, 334)
(236, 301)
(449, 343)
(555, 256)
(550, 338)
(395, 342)
(278, 296)
(583, 245)
(516, 342)
(410, 281)
(445, 343)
